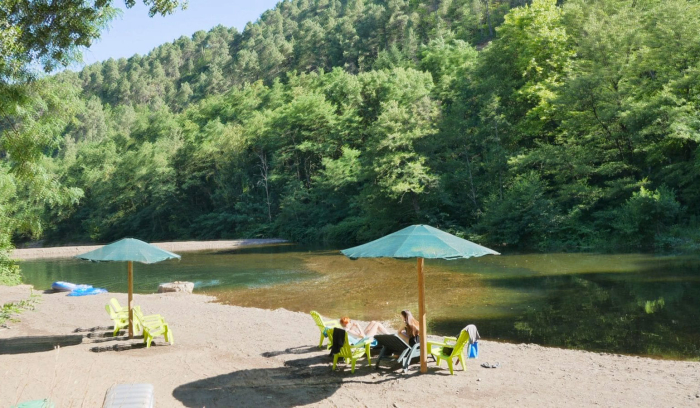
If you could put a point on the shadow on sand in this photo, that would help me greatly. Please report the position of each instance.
(37, 344)
(301, 381)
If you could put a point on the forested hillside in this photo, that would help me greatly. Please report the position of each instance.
(541, 126)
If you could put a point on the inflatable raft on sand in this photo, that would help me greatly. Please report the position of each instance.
(76, 290)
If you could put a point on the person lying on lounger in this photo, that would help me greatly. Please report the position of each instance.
(355, 332)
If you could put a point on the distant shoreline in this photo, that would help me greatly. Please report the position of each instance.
(26, 254)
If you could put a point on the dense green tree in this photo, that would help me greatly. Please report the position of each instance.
(537, 124)
(42, 34)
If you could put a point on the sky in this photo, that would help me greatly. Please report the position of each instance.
(136, 33)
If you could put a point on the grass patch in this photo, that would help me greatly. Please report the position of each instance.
(9, 310)
(10, 276)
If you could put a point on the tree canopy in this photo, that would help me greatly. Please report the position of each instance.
(36, 36)
(532, 125)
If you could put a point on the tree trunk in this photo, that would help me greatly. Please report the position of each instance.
(416, 205)
(488, 17)
(264, 179)
(471, 181)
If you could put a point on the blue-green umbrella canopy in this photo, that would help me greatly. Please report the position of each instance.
(129, 249)
(419, 241)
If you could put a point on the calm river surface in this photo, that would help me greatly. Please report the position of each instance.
(625, 303)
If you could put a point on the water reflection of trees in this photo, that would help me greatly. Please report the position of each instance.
(638, 316)
(653, 313)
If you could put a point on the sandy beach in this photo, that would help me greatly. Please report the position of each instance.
(234, 356)
(25, 254)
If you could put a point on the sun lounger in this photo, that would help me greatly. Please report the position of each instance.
(392, 344)
(130, 396)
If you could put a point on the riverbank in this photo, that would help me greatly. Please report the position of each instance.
(228, 355)
(25, 254)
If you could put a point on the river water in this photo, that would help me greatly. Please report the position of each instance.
(641, 304)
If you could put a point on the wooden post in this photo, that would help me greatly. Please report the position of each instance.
(421, 318)
(131, 299)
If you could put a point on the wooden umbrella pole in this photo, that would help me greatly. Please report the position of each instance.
(421, 318)
(131, 299)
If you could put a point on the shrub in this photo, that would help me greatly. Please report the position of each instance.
(524, 217)
(646, 216)
(9, 269)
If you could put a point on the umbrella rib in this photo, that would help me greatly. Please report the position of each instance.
(402, 244)
(455, 249)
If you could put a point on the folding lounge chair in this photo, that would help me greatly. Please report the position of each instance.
(393, 344)
(449, 349)
(324, 326)
(129, 396)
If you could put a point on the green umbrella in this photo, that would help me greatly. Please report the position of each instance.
(419, 241)
(129, 250)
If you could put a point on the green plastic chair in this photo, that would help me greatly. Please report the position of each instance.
(366, 341)
(154, 318)
(120, 320)
(121, 317)
(323, 325)
(351, 352)
(437, 350)
(117, 307)
(153, 328)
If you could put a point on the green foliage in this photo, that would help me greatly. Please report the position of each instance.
(537, 124)
(8, 310)
(645, 216)
(36, 114)
(9, 270)
(523, 217)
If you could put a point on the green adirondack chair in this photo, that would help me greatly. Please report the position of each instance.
(324, 326)
(117, 307)
(351, 352)
(120, 316)
(153, 327)
(441, 351)
(154, 318)
(365, 342)
(120, 320)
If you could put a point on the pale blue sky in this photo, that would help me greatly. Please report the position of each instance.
(136, 33)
